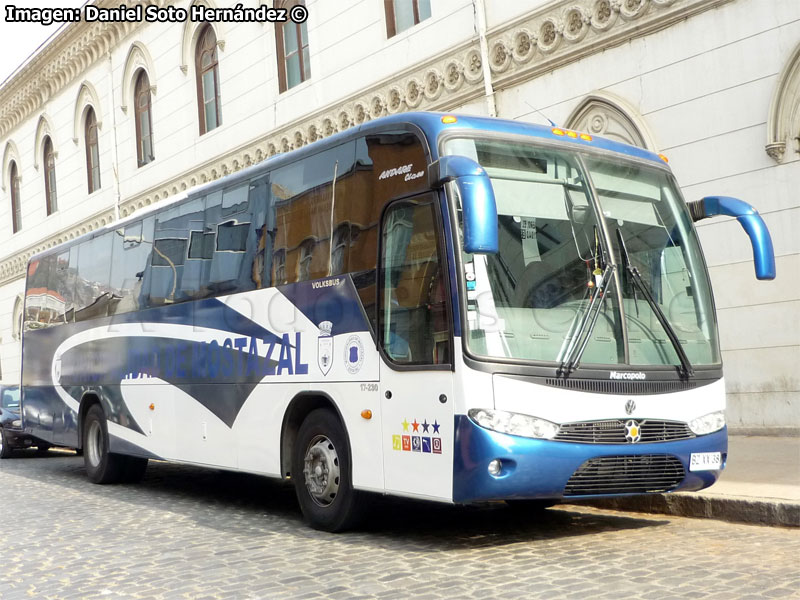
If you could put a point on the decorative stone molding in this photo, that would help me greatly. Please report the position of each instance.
(562, 32)
(776, 151)
(87, 96)
(16, 324)
(190, 31)
(606, 115)
(783, 124)
(540, 41)
(44, 128)
(58, 65)
(10, 153)
(138, 58)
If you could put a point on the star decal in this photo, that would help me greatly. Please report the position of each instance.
(425, 426)
(435, 427)
(415, 425)
(405, 424)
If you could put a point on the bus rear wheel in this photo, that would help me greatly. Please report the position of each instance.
(101, 465)
(321, 471)
(5, 447)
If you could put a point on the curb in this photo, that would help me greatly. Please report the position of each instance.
(755, 511)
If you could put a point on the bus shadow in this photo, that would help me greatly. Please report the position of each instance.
(253, 506)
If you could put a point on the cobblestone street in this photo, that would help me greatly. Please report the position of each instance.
(190, 533)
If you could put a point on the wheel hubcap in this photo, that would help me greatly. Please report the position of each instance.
(321, 470)
(94, 440)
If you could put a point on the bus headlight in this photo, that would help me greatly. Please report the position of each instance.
(514, 423)
(16, 423)
(708, 423)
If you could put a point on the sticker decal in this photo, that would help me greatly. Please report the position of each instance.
(424, 444)
(325, 347)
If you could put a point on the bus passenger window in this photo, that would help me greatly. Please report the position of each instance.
(43, 306)
(414, 327)
(92, 293)
(130, 272)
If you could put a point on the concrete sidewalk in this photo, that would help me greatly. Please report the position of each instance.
(760, 485)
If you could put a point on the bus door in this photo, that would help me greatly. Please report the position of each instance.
(413, 329)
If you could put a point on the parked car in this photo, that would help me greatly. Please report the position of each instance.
(11, 432)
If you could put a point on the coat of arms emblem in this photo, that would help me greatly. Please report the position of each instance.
(325, 347)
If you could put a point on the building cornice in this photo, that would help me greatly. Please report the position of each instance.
(558, 33)
(59, 64)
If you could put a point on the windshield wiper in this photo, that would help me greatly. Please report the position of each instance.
(583, 333)
(688, 371)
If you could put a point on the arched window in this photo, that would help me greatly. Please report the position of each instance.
(207, 70)
(16, 209)
(294, 65)
(144, 120)
(50, 195)
(92, 151)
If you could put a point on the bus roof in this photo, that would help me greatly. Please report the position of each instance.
(432, 125)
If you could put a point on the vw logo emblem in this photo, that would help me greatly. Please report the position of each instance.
(630, 406)
(633, 433)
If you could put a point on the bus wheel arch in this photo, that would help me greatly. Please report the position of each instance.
(299, 408)
(103, 466)
(88, 400)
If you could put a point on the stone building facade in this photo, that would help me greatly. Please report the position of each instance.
(110, 117)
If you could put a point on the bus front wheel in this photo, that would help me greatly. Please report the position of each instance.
(321, 471)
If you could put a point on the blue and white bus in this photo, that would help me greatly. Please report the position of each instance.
(443, 307)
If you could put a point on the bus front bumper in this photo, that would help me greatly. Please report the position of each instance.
(546, 469)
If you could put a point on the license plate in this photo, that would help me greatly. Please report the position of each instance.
(705, 461)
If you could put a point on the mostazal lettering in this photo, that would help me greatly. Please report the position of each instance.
(234, 358)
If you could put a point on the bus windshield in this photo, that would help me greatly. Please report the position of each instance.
(564, 218)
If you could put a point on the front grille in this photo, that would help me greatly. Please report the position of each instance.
(645, 473)
(628, 388)
(613, 431)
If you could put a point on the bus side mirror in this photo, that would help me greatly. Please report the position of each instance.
(749, 219)
(477, 200)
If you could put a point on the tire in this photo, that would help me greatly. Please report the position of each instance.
(101, 466)
(321, 471)
(5, 447)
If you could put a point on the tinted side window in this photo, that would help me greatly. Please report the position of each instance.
(414, 326)
(388, 165)
(43, 306)
(133, 245)
(308, 206)
(63, 282)
(92, 292)
(235, 237)
(170, 279)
